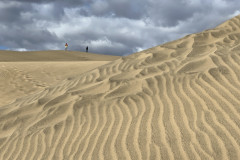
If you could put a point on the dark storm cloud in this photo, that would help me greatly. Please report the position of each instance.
(73, 2)
(121, 8)
(169, 13)
(11, 12)
(116, 27)
(33, 39)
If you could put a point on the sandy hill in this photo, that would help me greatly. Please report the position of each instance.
(55, 55)
(179, 100)
(24, 73)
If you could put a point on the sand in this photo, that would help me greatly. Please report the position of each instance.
(24, 73)
(179, 100)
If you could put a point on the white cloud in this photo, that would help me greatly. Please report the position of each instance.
(237, 12)
(103, 42)
(20, 49)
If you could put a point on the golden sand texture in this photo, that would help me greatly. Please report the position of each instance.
(24, 73)
(18, 79)
(54, 55)
(180, 100)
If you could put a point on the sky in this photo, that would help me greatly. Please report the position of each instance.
(113, 27)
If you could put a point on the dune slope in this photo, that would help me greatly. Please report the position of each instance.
(54, 55)
(18, 79)
(180, 100)
(24, 73)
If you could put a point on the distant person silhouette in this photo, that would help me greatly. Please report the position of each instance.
(66, 47)
(87, 49)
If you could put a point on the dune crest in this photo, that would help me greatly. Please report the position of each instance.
(179, 100)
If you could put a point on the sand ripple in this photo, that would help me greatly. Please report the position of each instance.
(179, 100)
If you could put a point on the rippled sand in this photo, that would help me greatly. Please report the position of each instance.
(180, 100)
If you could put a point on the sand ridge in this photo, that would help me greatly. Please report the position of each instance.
(179, 100)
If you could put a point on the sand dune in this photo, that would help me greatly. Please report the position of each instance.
(55, 55)
(180, 100)
(18, 79)
(24, 73)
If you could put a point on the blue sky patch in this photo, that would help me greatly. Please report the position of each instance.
(3, 48)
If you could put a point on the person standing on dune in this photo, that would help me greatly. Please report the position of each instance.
(66, 47)
(87, 49)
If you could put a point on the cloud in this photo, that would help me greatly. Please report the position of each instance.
(68, 2)
(11, 12)
(117, 27)
(170, 13)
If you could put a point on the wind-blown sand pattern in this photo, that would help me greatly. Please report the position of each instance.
(24, 73)
(180, 100)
